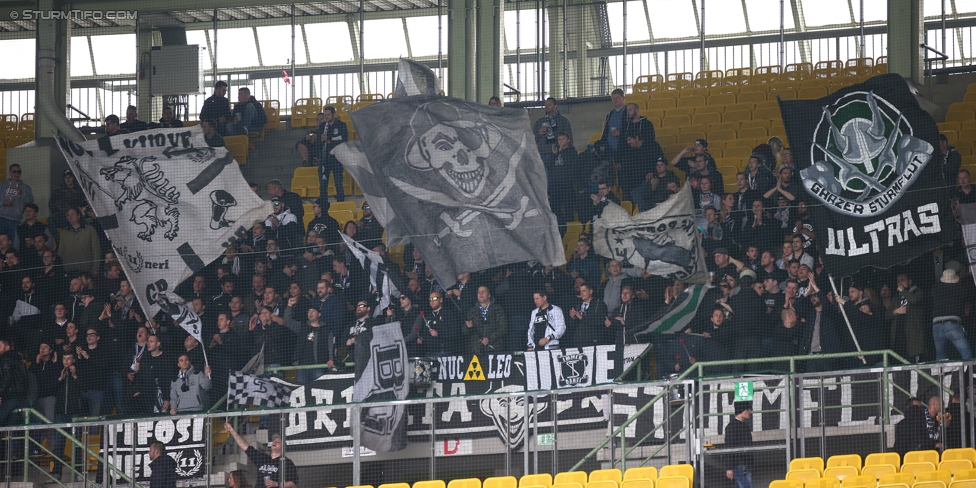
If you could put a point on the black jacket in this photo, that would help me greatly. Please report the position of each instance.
(214, 108)
(334, 134)
(163, 472)
(13, 377)
(591, 330)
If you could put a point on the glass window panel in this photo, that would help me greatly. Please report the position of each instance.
(235, 48)
(18, 59)
(80, 57)
(933, 8)
(423, 35)
(384, 39)
(874, 10)
(672, 18)
(636, 22)
(114, 55)
(963, 6)
(520, 29)
(826, 12)
(328, 43)
(199, 38)
(724, 18)
(764, 15)
(275, 44)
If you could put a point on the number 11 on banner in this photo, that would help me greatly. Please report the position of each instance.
(743, 391)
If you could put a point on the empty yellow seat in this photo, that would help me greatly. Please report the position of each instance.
(895, 478)
(786, 484)
(429, 484)
(684, 470)
(877, 470)
(822, 483)
(953, 465)
(612, 474)
(571, 477)
(934, 475)
(499, 481)
(929, 456)
(963, 484)
(860, 480)
(802, 474)
(916, 468)
(967, 453)
(929, 484)
(541, 479)
(603, 484)
(638, 483)
(465, 483)
(648, 472)
(673, 482)
(964, 474)
(841, 472)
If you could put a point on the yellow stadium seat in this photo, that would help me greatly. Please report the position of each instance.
(723, 126)
(798, 71)
(680, 470)
(26, 122)
(541, 479)
(738, 76)
(953, 465)
(677, 85)
(348, 205)
(500, 481)
(8, 122)
(628, 206)
(841, 472)
(638, 483)
(860, 480)
(678, 111)
(822, 483)
(752, 97)
(306, 186)
(613, 474)
(739, 152)
(571, 477)
(956, 126)
(929, 456)
(237, 146)
(963, 484)
(960, 106)
(722, 99)
(673, 482)
(303, 112)
(827, 69)
(916, 468)
(970, 96)
(816, 463)
(429, 484)
(934, 475)
(721, 135)
(964, 474)
(888, 479)
(709, 78)
(930, 484)
(661, 103)
(395, 485)
(701, 128)
(736, 116)
(755, 122)
(967, 453)
(877, 470)
(960, 116)
(766, 113)
(570, 485)
(358, 486)
(648, 472)
(810, 93)
(891, 458)
(786, 484)
(719, 90)
(689, 138)
(754, 133)
(694, 92)
(707, 118)
(602, 484)
(342, 216)
(676, 121)
(894, 485)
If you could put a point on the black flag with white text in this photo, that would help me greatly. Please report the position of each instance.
(869, 162)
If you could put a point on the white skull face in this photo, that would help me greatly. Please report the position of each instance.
(457, 151)
(498, 409)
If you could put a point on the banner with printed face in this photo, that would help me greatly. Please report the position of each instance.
(185, 440)
(873, 179)
(169, 203)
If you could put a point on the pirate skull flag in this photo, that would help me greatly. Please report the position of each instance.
(868, 161)
(169, 203)
(458, 179)
(381, 374)
(663, 240)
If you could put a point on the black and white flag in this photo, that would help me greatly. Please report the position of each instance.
(458, 179)
(414, 78)
(248, 389)
(383, 376)
(379, 279)
(169, 203)
(967, 217)
(174, 306)
(868, 161)
(663, 240)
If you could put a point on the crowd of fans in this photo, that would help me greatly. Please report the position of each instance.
(302, 296)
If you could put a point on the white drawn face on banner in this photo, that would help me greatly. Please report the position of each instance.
(512, 430)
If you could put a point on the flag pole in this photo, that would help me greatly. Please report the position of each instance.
(206, 363)
(846, 320)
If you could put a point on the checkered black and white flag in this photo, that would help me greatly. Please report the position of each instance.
(248, 389)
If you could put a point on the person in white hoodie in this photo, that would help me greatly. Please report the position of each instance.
(15, 196)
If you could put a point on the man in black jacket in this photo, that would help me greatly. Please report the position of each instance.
(586, 325)
(13, 381)
(440, 328)
(248, 116)
(739, 434)
(486, 324)
(547, 127)
(334, 132)
(217, 107)
(162, 466)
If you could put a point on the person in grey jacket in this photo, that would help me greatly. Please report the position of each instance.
(548, 127)
(186, 393)
(16, 195)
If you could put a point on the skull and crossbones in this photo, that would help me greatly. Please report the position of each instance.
(459, 147)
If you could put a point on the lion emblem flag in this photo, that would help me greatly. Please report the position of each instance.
(459, 179)
(169, 203)
(869, 162)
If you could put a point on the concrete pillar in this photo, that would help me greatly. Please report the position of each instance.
(54, 35)
(557, 28)
(457, 62)
(906, 34)
(143, 53)
(489, 49)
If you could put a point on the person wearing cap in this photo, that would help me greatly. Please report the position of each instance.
(723, 264)
(314, 341)
(268, 466)
(67, 195)
(949, 297)
(655, 185)
(283, 226)
(687, 155)
(370, 230)
(549, 126)
(292, 200)
(217, 107)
